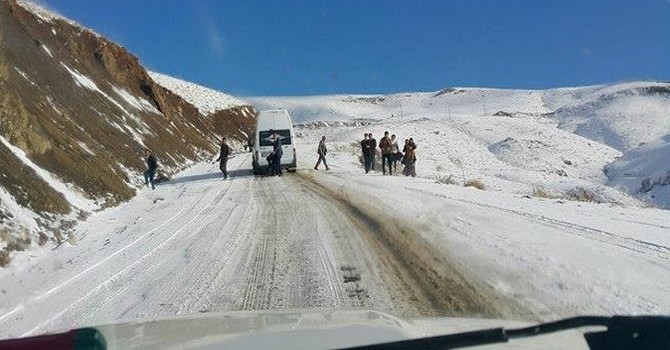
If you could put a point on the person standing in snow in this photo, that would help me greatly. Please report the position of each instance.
(385, 147)
(223, 158)
(366, 153)
(409, 159)
(276, 154)
(152, 165)
(372, 149)
(321, 151)
(395, 153)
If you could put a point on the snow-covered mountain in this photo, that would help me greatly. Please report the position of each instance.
(608, 139)
(76, 113)
(206, 100)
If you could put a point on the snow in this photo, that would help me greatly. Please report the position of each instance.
(137, 102)
(136, 135)
(46, 49)
(649, 162)
(52, 103)
(201, 244)
(448, 102)
(40, 11)
(22, 217)
(623, 116)
(82, 80)
(541, 136)
(556, 257)
(206, 245)
(206, 100)
(85, 148)
(72, 194)
(48, 15)
(24, 75)
(513, 155)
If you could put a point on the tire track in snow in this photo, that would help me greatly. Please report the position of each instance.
(609, 238)
(288, 265)
(98, 287)
(170, 284)
(425, 277)
(93, 267)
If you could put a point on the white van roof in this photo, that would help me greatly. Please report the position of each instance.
(273, 119)
(273, 111)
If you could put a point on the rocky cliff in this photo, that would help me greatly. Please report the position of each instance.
(76, 113)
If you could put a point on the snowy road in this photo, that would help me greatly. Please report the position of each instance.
(200, 244)
(340, 240)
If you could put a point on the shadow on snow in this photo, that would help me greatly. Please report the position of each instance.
(217, 175)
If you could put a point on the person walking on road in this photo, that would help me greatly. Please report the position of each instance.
(321, 151)
(385, 146)
(366, 153)
(223, 158)
(152, 165)
(276, 154)
(395, 153)
(372, 149)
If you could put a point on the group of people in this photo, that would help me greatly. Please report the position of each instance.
(390, 154)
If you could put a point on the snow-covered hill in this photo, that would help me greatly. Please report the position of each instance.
(550, 142)
(623, 116)
(206, 100)
(645, 172)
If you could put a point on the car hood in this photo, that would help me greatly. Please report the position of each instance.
(307, 330)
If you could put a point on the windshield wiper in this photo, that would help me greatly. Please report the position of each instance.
(623, 332)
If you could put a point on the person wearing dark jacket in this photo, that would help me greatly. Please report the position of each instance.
(223, 158)
(321, 151)
(366, 153)
(152, 165)
(385, 145)
(276, 154)
(372, 149)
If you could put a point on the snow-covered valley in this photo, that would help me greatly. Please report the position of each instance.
(341, 239)
(560, 226)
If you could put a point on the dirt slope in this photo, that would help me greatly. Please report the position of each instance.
(83, 109)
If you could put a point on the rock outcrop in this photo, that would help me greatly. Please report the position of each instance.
(76, 113)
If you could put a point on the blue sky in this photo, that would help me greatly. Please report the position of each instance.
(302, 47)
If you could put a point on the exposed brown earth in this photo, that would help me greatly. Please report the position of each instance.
(73, 102)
